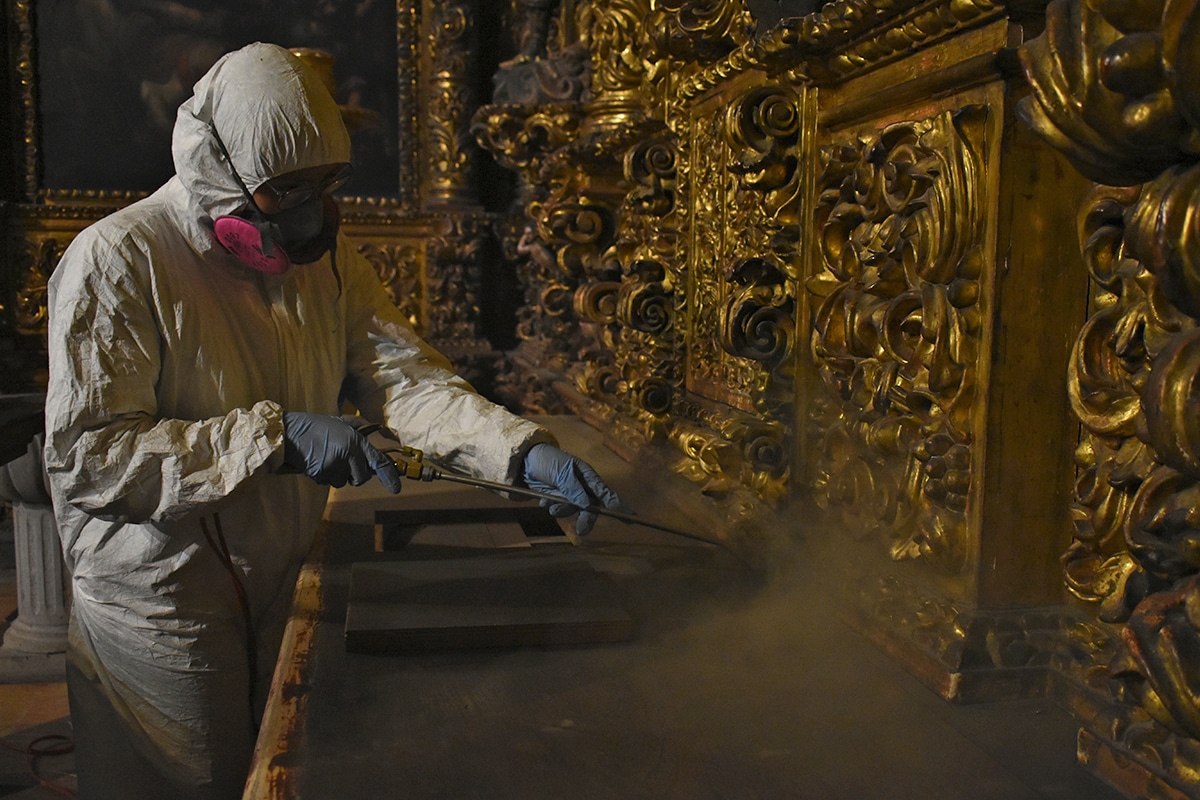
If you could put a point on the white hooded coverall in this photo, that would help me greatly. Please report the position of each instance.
(170, 366)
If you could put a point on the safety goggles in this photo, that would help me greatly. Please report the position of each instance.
(294, 196)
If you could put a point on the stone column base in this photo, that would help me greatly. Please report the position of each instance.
(32, 667)
(35, 643)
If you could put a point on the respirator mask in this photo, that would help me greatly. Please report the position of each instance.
(302, 227)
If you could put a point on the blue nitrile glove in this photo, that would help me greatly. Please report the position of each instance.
(329, 450)
(549, 469)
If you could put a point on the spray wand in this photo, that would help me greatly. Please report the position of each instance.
(412, 464)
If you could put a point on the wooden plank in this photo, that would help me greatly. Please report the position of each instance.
(398, 607)
(435, 515)
(486, 527)
(273, 774)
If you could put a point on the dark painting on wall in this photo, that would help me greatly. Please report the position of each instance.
(112, 73)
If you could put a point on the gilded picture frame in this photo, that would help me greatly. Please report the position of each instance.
(123, 76)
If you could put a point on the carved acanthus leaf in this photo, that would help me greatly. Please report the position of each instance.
(896, 331)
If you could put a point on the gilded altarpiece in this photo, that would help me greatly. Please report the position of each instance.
(661, 231)
(797, 278)
(827, 264)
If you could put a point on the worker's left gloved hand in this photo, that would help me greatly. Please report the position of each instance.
(330, 451)
(549, 469)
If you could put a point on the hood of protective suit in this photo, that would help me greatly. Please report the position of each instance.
(272, 112)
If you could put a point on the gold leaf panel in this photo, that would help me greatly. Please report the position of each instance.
(896, 330)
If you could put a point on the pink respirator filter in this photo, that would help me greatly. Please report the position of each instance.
(241, 238)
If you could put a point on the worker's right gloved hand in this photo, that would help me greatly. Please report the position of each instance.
(549, 469)
(328, 450)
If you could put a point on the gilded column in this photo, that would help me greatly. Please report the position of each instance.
(448, 104)
(408, 135)
(617, 68)
(1114, 88)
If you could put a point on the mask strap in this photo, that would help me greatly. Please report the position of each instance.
(337, 314)
(268, 243)
(337, 276)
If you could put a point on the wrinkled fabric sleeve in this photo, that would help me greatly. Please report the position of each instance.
(107, 452)
(395, 377)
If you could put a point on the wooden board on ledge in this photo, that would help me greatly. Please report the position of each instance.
(501, 526)
(469, 603)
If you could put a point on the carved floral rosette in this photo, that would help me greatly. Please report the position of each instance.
(896, 328)
(1114, 88)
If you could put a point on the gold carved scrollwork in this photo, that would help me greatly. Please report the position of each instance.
(545, 323)
(707, 458)
(744, 180)
(703, 29)
(1114, 89)
(597, 301)
(896, 330)
(1163, 682)
(1139, 456)
(762, 132)
(649, 217)
(556, 299)
(519, 137)
(399, 268)
(840, 40)
(581, 233)
(651, 394)
(922, 25)
(743, 266)
(615, 35)
(1109, 368)
(1108, 90)
(30, 309)
(650, 166)
(765, 449)
(452, 282)
(649, 346)
(600, 376)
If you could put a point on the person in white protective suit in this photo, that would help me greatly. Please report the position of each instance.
(199, 342)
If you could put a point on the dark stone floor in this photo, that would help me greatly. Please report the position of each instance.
(736, 685)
